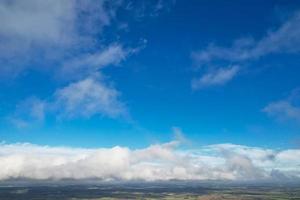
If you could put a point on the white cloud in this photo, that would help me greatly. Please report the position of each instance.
(180, 136)
(50, 23)
(86, 98)
(287, 109)
(237, 52)
(283, 110)
(144, 8)
(37, 21)
(286, 39)
(40, 34)
(82, 99)
(217, 77)
(66, 36)
(31, 110)
(89, 64)
(89, 94)
(156, 162)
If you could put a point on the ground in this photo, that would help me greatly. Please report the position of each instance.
(187, 191)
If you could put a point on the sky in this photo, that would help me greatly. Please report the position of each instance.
(150, 89)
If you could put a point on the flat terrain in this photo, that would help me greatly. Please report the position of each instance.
(191, 191)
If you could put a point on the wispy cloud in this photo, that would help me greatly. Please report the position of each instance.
(217, 77)
(285, 39)
(87, 92)
(68, 38)
(156, 162)
(30, 111)
(286, 109)
(85, 98)
(88, 97)
(90, 92)
(144, 8)
(283, 110)
(90, 63)
(64, 35)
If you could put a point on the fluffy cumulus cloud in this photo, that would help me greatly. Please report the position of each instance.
(285, 39)
(156, 162)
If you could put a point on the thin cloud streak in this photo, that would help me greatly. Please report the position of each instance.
(218, 77)
(285, 109)
(286, 39)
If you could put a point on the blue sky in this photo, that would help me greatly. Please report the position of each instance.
(150, 90)
(126, 73)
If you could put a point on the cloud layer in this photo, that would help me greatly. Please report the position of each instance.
(156, 162)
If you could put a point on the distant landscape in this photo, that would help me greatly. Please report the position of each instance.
(149, 191)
